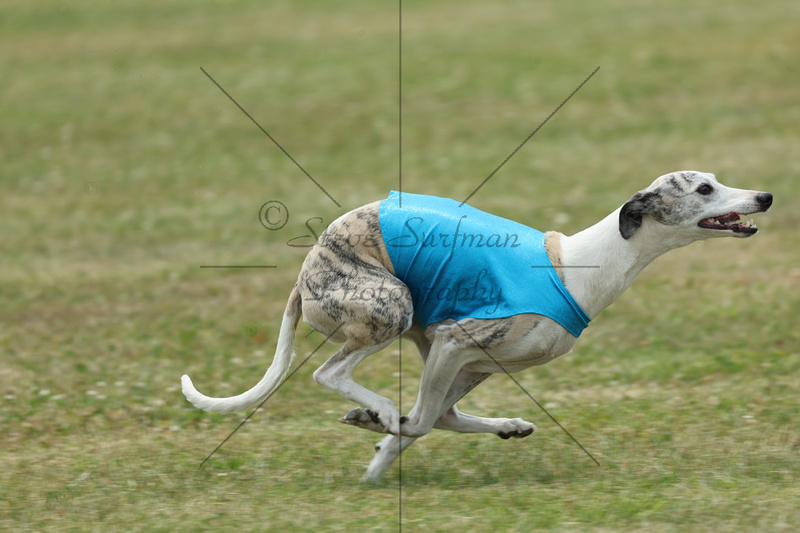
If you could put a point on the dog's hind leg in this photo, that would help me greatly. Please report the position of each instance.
(366, 418)
(337, 375)
(363, 305)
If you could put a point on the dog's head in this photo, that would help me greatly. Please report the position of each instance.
(697, 202)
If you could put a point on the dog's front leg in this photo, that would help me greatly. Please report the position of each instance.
(455, 420)
(386, 453)
(390, 448)
(451, 419)
(438, 376)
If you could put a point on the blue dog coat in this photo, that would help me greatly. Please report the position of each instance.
(460, 262)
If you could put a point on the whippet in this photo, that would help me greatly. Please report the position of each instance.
(349, 289)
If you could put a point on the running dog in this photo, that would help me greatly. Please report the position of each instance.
(477, 294)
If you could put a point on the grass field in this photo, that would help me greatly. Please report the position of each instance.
(125, 169)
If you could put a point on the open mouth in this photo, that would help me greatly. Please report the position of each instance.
(729, 222)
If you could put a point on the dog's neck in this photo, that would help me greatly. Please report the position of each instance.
(601, 265)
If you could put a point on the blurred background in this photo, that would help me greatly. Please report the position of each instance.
(125, 169)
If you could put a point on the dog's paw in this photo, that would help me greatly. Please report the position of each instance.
(516, 428)
(368, 419)
(363, 418)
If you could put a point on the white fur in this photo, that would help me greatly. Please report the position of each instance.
(253, 397)
(608, 256)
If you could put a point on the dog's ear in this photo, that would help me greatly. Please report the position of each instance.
(630, 216)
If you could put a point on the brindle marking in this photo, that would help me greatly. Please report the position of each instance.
(347, 290)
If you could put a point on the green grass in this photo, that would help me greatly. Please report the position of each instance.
(125, 169)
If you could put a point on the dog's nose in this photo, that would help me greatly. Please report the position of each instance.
(765, 199)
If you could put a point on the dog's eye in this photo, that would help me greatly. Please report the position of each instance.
(705, 189)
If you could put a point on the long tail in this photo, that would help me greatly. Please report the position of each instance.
(273, 377)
